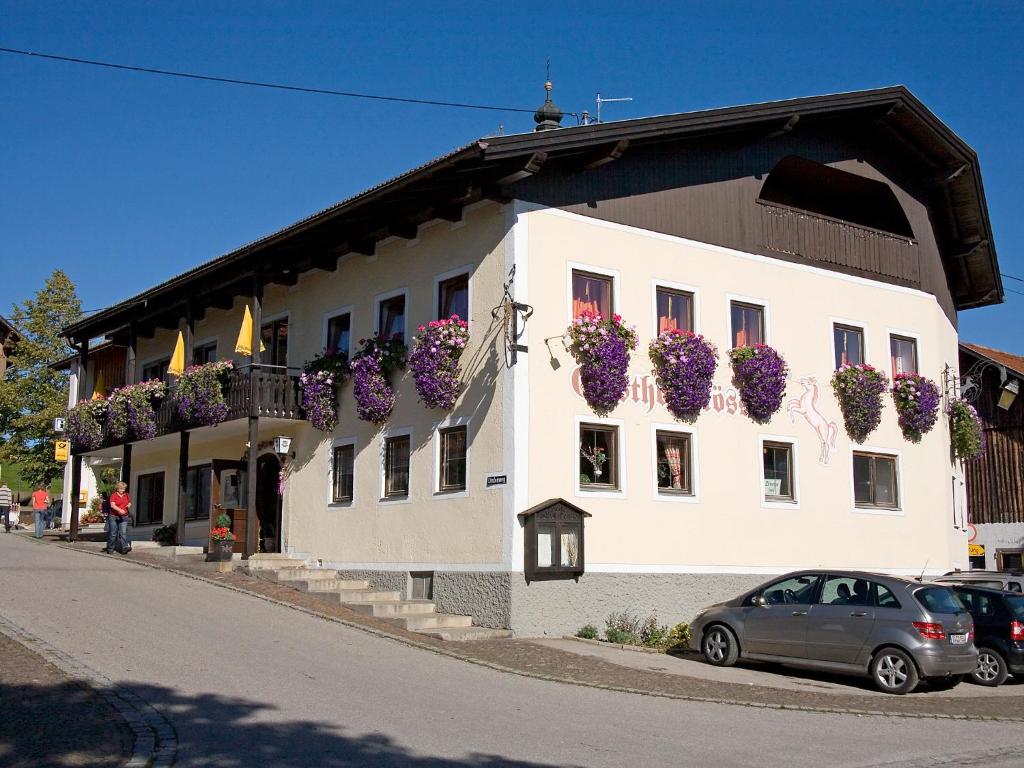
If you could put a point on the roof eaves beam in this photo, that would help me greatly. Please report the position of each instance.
(785, 128)
(609, 156)
(532, 166)
(947, 176)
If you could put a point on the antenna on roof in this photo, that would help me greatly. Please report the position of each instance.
(601, 101)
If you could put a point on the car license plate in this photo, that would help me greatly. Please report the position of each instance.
(958, 639)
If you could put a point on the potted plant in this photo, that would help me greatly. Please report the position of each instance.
(222, 540)
(859, 388)
(131, 410)
(199, 398)
(601, 347)
(84, 425)
(372, 367)
(320, 383)
(917, 404)
(966, 432)
(684, 366)
(759, 373)
(434, 361)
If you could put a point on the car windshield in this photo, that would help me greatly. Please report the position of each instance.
(1016, 605)
(939, 600)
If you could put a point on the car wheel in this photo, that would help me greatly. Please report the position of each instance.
(991, 669)
(719, 646)
(894, 672)
(945, 683)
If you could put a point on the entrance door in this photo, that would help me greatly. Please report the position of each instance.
(228, 498)
(268, 502)
(778, 626)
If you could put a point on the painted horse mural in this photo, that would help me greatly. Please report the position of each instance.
(807, 406)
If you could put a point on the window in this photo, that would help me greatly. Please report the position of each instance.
(884, 598)
(1010, 559)
(391, 317)
(156, 369)
(777, 459)
(599, 457)
(849, 345)
(939, 600)
(274, 337)
(904, 354)
(343, 472)
(453, 298)
(591, 294)
(204, 353)
(453, 459)
(396, 467)
(421, 585)
(149, 499)
(796, 590)
(339, 334)
(674, 463)
(197, 492)
(747, 324)
(844, 590)
(553, 532)
(675, 310)
(875, 481)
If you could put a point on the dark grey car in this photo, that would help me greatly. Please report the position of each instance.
(895, 630)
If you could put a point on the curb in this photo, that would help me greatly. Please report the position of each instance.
(155, 743)
(554, 678)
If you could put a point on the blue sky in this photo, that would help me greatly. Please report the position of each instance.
(124, 179)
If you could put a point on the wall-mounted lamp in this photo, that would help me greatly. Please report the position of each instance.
(282, 445)
(1008, 394)
(972, 383)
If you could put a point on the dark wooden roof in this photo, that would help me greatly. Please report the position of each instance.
(1013, 362)
(8, 333)
(490, 168)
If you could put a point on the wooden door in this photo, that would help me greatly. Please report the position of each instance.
(228, 497)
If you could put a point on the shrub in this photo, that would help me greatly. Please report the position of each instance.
(678, 638)
(653, 634)
(623, 628)
(966, 432)
(588, 632)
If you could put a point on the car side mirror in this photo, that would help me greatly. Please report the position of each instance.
(760, 600)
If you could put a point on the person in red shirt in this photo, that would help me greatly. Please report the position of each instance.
(40, 501)
(117, 520)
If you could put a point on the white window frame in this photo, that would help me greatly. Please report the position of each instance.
(901, 489)
(762, 303)
(436, 301)
(134, 488)
(676, 498)
(573, 266)
(338, 442)
(833, 322)
(794, 452)
(384, 436)
(348, 309)
(619, 426)
(690, 289)
(914, 336)
(382, 297)
(448, 423)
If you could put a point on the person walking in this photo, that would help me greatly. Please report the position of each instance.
(120, 508)
(6, 501)
(40, 501)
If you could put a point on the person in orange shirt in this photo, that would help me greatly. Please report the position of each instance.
(40, 501)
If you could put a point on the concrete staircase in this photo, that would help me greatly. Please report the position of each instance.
(419, 616)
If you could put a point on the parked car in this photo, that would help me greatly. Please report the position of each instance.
(999, 632)
(894, 630)
(1010, 581)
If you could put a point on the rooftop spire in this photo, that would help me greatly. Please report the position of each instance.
(549, 116)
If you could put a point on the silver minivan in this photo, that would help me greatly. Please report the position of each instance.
(895, 630)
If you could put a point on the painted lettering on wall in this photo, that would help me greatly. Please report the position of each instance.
(644, 392)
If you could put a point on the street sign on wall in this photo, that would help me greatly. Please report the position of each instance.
(976, 550)
(61, 449)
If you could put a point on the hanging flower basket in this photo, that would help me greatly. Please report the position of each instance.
(199, 398)
(759, 373)
(859, 389)
(917, 404)
(966, 431)
(372, 368)
(601, 347)
(434, 361)
(84, 427)
(684, 365)
(320, 382)
(131, 410)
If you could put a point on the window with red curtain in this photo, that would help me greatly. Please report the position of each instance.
(674, 475)
(904, 354)
(453, 298)
(591, 293)
(675, 310)
(391, 317)
(849, 344)
(747, 324)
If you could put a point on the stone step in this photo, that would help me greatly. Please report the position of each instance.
(304, 574)
(361, 595)
(175, 551)
(390, 608)
(422, 621)
(457, 634)
(273, 565)
(259, 556)
(330, 585)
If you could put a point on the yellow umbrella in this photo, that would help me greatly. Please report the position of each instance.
(99, 388)
(177, 365)
(244, 344)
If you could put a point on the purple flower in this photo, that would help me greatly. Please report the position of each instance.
(602, 347)
(859, 388)
(319, 399)
(759, 373)
(131, 412)
(372, 391)
(434, 362)
(917, 404)
(966, 431)
(199, 398)
(684, 365)
(84, 428)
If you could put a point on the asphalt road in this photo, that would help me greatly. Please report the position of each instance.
(249, 683)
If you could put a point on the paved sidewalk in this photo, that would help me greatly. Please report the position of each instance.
(561, 661)
(48, 719)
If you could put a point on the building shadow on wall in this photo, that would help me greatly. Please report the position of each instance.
(212, 730)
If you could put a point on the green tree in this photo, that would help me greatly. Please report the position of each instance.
(33, 394)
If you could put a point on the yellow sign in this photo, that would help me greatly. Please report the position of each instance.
(976, 550)
(61, 449)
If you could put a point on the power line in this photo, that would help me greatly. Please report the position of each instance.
(1012, 277)
(259, 84)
